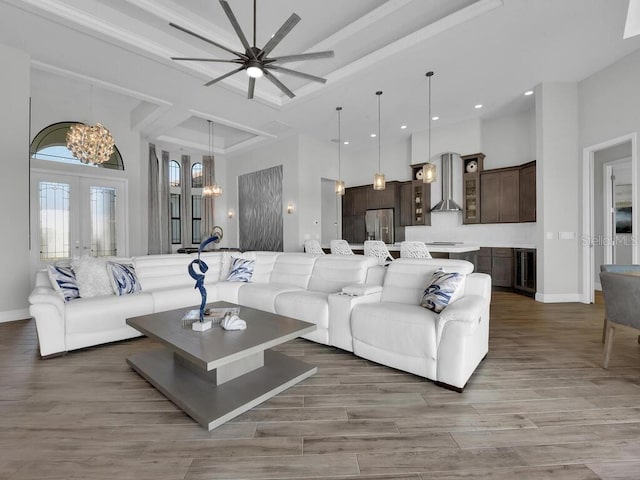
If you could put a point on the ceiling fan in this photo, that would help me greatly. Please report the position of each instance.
(255, 61)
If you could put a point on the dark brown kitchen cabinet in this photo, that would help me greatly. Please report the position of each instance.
(406, 204)
(497, 262)
(528, 192)
(500, 195)
(502, 267)
(472, 165)
(386, 198)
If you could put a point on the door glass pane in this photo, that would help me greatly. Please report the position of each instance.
(196, 219)
(54, 221)
(103, 221)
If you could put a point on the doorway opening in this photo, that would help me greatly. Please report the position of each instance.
(609, 192)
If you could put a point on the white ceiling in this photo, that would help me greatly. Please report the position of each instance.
(482, 51)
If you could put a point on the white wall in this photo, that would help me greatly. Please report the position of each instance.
(609, 106)
(285, 153)
(14, 184)
(56, 99)
(505, 142)
(558, 206)
(509, 140)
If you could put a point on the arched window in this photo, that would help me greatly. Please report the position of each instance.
(174, 174)
(51, 144)
(196, 175)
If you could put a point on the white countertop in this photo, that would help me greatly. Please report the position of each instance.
(457, 247)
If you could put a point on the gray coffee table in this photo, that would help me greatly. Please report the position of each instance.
(216, 375)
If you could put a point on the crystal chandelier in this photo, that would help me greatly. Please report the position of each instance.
(90, 143)
(211, 189)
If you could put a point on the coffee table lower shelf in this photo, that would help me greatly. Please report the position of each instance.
(212, 405)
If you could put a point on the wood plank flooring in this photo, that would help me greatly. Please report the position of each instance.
(540, 406)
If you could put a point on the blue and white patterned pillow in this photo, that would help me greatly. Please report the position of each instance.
(64, 282)
(441, 290)
(123, 278)
(241, 270)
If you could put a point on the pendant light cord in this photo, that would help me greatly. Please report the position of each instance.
(379, 93)
(339, 109)
(429, 113)
(211, 161)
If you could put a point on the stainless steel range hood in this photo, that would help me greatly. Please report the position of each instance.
(447, 204)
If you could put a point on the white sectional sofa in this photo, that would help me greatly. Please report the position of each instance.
(356, 304)
(305, 281)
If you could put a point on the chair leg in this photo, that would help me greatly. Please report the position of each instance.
(604, 329)
(611, 331)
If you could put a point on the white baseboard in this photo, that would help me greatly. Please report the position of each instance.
(558, 297)
(13, 315)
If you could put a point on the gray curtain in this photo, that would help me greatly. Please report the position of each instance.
(185, 207)
(208, 204)
(154, 239)
(163, 205)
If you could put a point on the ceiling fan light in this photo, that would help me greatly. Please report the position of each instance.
(254, 71)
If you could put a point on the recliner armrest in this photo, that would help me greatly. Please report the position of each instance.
(467, 310)
(360, 289)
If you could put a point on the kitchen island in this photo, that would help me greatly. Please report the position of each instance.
(458, 250)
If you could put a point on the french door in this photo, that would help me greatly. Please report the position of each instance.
(72, 216)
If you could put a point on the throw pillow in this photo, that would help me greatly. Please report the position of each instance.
(124, 280)
(441, 290)
(241, 270)
(92, 276)
(64, 282)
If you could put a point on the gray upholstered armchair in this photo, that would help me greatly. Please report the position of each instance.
(622, 305)
(610, 267)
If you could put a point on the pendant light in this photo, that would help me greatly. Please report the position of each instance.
(429, 169)
(211, 189)
(339, 182)
(378, 178)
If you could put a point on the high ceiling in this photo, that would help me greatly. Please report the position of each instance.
(482, 51)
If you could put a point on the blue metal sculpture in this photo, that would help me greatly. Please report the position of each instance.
(216, 236)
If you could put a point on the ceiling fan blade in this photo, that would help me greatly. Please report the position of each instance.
(193, 59)
(302, 56)
(215, 44)
(216, 80)
(286, 27)
(279, 84)
(252, 86)
(296, 73)
(236, 27)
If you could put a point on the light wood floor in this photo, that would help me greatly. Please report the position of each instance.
(540, 406)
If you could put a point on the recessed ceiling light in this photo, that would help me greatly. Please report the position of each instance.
(479, 105)
(403, 127)
(346, 142)
(373, 135)
(528, 92)
(435, 118)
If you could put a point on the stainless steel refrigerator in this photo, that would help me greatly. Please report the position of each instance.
(379, 225)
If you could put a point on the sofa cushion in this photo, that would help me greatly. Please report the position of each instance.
(228, 291)
(104, 313)
(396, 327)
(442, 289)
(312, 307)
(124, 280)
(293, 269)
(163, 271)
(180, 297)
(406, 278)
(262, 295)
(333, 272)
(64, 282)
(241, 270)
(92, 276)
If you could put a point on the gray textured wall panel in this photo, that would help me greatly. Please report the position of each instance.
(260, 210)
